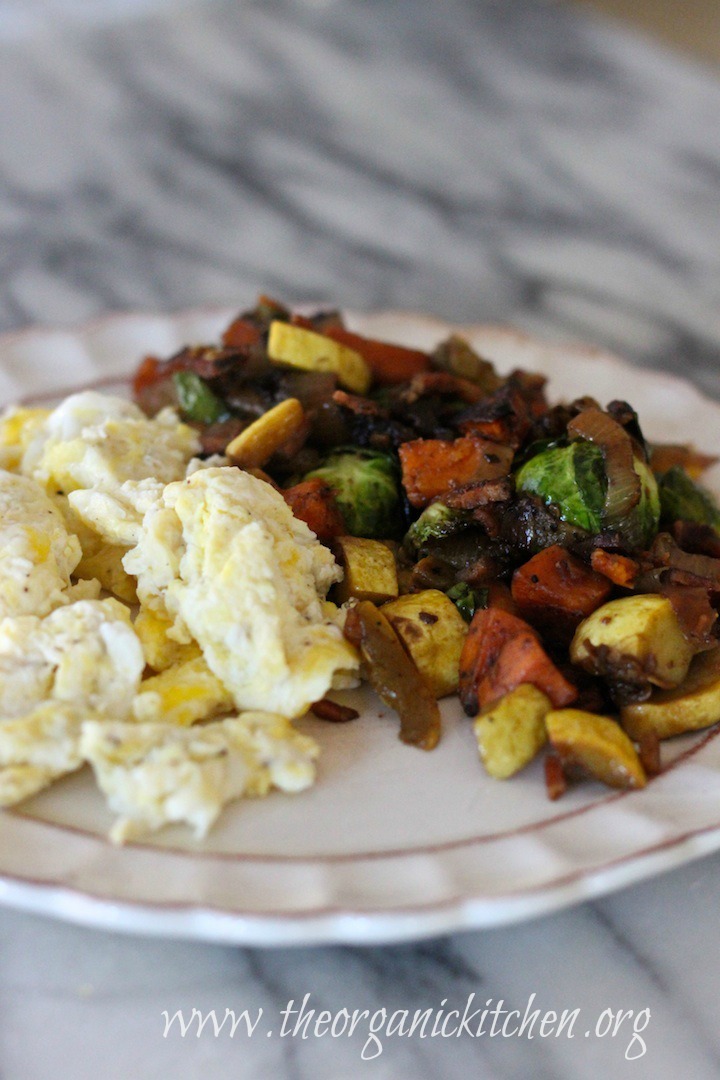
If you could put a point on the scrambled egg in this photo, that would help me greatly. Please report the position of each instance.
(155, 774)
(37, 553)
(232, 616)
(83, 660)
(223, 557)
(98, 441)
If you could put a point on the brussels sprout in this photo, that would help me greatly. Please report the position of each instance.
(573, 478)
(435, 522)
(467, 600)
(365, 483)
(681, 499)
(196, 399)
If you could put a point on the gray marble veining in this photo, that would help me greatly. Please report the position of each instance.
(482, 161)
(495, 161)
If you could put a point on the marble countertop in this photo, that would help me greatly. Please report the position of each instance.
(511, 162)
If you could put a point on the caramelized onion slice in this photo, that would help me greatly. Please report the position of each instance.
(623, 490)
(394, 676)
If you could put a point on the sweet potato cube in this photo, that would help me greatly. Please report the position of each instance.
(313, 501)
(370, 570)
(500, 653)
(557, 589)
(433, 631)
(512, 731)
(432, 467)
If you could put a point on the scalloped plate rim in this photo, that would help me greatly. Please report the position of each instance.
(201, 920)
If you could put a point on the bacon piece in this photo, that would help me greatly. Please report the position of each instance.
(334, 712)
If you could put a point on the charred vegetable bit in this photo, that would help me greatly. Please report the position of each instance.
(394, 676)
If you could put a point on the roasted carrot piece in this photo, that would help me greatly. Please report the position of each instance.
(390, 364)
(502, 651)
(499, 596)
(488, 633)
(432, 467)
(617, 568)
(523, 660)
(314, 503)
(557, 589)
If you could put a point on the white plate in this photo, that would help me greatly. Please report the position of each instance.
(392, 843)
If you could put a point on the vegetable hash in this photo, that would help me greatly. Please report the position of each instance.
(542, 560)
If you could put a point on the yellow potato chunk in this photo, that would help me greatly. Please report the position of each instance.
(254, 446)
(301, 348)
(511, 731)
(370, 570)
(640, 630)
(160, 651)
(694, 705)
(598, 745)
(433, 632)
(181, 695)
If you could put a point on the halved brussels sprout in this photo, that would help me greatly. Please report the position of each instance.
(365, 483)
(573, 478)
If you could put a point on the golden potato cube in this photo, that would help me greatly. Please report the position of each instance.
(254, 446)
(301, 348)
(511, 731)
(693, 705)
(433, 632)
(644, 629)
(598, 745)
(160, 651)
(370, 571)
